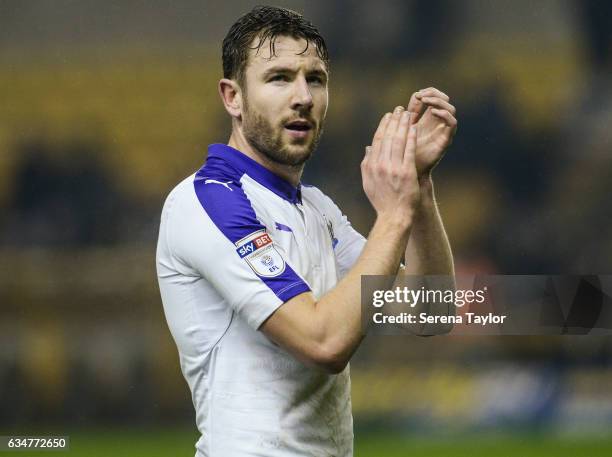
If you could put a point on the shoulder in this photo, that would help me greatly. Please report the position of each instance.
(315, 195)
(178, 197)
(208, 199)
(222, 199)
(202, 214)
(318, 199)
(214, 191)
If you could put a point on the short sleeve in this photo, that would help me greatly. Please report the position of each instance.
(219, 236)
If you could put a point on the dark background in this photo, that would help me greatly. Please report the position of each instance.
(105, 106)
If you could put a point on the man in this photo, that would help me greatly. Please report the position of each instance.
(260, 276)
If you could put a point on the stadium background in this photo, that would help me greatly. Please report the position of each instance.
(104, 106)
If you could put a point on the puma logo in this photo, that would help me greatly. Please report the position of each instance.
(214, 181)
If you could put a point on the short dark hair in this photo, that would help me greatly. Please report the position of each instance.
(267, 23)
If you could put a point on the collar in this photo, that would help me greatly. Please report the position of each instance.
(259, 173)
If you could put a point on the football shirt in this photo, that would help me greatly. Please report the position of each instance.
(235, 243)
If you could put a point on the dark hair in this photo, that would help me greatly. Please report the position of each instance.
(267, 23)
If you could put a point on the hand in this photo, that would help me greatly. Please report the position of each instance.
(388, 169)
(436, 125)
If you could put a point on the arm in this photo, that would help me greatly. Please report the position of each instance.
(429, 251)
(327, 332)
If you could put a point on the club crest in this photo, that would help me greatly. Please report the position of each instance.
(330, 229)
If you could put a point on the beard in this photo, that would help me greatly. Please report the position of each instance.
(264, 138)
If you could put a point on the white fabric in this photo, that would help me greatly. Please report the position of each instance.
(251, 397)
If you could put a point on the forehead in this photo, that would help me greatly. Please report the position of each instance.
(288, 52)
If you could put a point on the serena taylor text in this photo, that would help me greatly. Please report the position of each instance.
(424, 318)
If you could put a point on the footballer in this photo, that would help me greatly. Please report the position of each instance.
(260, 274)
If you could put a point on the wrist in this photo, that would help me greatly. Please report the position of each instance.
(425, 181)
(426, 188)
(394, 222)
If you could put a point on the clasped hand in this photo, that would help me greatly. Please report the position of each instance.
(388, 169)
(407, 145)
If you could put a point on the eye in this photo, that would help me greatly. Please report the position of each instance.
(279, 77)
(314, 80)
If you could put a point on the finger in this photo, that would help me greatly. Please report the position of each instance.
(439, 103)
(416, 107)
(387, 143)
(379, 136)
(448, 118)
(432, 92)
(410, 149)
(399, 140)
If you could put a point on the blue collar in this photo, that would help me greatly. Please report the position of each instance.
(244, 164)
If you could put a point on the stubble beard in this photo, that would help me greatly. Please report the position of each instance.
(262, 136)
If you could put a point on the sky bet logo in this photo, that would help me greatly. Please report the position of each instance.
(253, 245)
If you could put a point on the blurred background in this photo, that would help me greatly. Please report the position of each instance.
(106, 105)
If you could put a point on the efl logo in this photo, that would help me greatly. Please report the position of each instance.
(253, 245)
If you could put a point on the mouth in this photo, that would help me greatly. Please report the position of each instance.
(298, 128)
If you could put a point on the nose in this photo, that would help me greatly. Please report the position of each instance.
(302, 98)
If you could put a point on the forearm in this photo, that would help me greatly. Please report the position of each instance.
(327, 331)
(339, 311)
(429, 258)
(428, 251)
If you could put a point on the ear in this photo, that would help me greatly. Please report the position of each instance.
(231, 96)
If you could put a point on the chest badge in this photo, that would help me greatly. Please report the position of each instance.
(330, 229)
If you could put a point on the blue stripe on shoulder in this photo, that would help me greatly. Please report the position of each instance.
(222, 197)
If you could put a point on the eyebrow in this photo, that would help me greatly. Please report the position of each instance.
(283, 69)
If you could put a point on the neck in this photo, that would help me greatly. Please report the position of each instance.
(289, 173)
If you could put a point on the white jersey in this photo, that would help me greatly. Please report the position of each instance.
(235, 243)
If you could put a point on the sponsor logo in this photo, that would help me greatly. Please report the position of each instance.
(214, 181)
(251, 246)
(258, 250)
